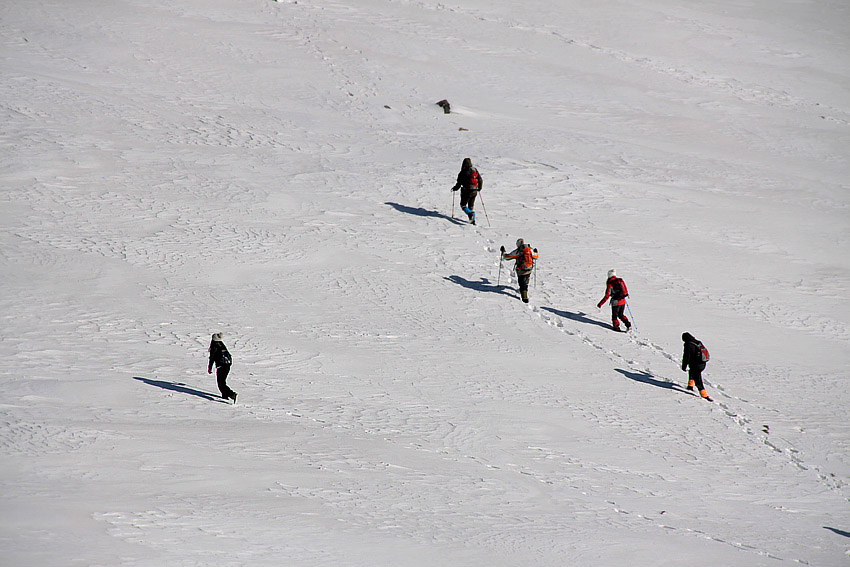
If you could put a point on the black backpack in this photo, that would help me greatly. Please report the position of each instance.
(618, 288)
(223, 358)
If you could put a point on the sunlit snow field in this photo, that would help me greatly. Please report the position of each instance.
(280, 172)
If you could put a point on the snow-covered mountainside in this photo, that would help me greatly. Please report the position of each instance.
(280, 172)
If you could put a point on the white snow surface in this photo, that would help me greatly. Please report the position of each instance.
(280, 172)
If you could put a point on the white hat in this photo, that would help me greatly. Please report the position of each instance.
(611, 273)
(217, 337)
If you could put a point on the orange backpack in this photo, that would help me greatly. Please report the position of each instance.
(527, 257)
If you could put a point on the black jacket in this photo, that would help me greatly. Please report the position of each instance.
(464, 180)
(691, 356)
(219, 355)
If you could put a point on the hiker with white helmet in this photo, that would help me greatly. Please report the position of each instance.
(525, 257)
(615, 288)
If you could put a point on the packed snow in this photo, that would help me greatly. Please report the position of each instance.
(280, 172)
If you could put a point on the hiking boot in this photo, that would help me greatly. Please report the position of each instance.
(690, 388)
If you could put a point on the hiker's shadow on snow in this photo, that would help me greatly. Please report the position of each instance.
(482, 285)
(580, 317)
(420, 212)
(839, 532)
(180, 387)
(647, 378)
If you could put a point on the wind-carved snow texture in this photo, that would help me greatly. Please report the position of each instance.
(280, 172)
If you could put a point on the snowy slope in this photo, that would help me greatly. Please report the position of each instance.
(279, 171)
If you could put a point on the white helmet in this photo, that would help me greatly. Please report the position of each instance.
(611, 273)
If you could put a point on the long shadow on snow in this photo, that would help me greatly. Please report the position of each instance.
(420, 212)
(180, 387)
(483, 285)
(580, 317)
(839, 532)
(647, 378)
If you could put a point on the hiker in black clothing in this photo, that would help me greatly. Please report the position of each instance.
(222, 360)
(694, 358)
(470, 182)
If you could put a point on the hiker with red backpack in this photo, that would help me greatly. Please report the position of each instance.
(616, 289)
(694, 358)
(525, 257)
(470, 182)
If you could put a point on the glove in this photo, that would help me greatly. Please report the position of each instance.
(454, 188)
(535, 251)
(209, 370)
(502, 249)
(599, 305)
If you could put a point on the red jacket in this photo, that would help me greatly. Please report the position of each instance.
(612, 290)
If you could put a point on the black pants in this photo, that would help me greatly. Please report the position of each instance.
(523, 281)
(523, 286)
(221, 373)
(617, 315)
(467, 198)
(695, 376)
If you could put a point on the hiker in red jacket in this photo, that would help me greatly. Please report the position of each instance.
(615, 288)
(470, 182)
(525, 257)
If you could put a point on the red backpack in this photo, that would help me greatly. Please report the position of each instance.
(473, 178)
(702, 352)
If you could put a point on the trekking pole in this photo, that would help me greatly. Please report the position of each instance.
(485, 210)
(534, 268)
(499, 279)
(630, 315)
(453, 204)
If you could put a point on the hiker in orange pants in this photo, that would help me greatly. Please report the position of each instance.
(694, 359)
